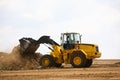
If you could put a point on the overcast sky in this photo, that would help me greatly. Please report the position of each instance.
(97, 20)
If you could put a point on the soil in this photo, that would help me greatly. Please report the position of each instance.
(17, 61)
(100, 70)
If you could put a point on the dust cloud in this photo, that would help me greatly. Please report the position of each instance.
(17, 61)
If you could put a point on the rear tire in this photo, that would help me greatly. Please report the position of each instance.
(78, 60)
(47, 61)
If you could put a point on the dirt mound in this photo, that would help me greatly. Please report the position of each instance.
(118, 63)
(15, 60)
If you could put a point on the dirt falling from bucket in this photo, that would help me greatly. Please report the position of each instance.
(16, 61)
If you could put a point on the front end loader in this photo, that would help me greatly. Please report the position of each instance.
(70, 51)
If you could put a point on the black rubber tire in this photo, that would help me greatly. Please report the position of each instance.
(81, 56)
(58, 65)
(49, 58)
(88, 62)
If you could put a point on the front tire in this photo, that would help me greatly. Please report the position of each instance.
(78, 60)
(46, 61)
(88, 62)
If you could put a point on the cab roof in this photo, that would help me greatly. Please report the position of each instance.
(70, 33)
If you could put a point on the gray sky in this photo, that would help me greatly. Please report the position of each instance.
(97, 20)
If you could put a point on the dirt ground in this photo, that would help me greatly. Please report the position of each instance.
(100, 70)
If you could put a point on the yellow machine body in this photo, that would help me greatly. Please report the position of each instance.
(76, 53)
(89, 50)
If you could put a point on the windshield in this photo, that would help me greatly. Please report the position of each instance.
(71, 38)
(75, 38)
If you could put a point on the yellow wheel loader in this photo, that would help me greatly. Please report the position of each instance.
(70, 51)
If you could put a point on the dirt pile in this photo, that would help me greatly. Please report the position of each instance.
(118, 63)
(16, 61)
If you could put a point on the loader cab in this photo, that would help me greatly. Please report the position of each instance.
(68, 40)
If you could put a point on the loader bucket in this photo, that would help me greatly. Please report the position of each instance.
(28, 46)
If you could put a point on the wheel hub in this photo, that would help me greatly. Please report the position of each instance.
(45, 61)
(77, 60)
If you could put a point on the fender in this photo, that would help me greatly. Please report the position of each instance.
(80, 51)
